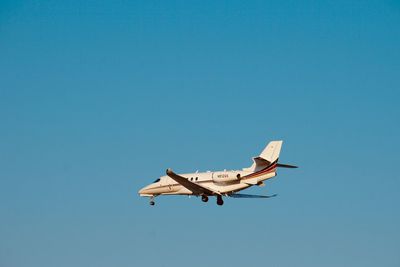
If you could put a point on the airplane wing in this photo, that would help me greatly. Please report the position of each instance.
(250, 196)
(195, 188)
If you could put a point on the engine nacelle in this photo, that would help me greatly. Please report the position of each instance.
(228, 176)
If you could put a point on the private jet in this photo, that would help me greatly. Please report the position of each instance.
(220, 183)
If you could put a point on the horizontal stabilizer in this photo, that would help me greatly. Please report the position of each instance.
(250, 196)
(286, 166)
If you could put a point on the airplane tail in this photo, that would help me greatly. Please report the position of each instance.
(271, 151)
(269, 155)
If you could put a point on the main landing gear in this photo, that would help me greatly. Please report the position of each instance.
(220, 201)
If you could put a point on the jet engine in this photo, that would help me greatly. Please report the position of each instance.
(230, 176)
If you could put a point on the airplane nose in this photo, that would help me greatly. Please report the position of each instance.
(144, 190)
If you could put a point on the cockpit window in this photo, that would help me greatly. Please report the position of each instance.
(156, 181)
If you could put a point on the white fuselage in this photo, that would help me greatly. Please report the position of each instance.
(224, 182)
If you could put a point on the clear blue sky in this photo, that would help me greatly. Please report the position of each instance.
(98, 98)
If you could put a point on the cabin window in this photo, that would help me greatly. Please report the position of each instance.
(197, 178)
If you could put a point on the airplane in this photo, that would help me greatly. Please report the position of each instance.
(219, 183)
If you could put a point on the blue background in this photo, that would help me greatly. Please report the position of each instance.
(98, 98)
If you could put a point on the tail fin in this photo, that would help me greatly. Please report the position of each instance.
(271, 151)
(269, 155)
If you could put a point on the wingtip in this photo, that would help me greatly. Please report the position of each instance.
(168, 171)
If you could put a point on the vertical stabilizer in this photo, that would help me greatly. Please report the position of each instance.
(272, 150)
(268, 155)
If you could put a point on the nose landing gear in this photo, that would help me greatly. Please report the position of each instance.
(220, 201)
(152, 201)
(204, 198)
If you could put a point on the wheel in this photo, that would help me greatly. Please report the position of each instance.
(220, 201)
(204, 198)
(152, 203)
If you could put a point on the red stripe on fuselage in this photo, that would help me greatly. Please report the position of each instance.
(267, 169)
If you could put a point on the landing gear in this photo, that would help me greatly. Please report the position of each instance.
(220, 201)
(152, 201)
(204, 198)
